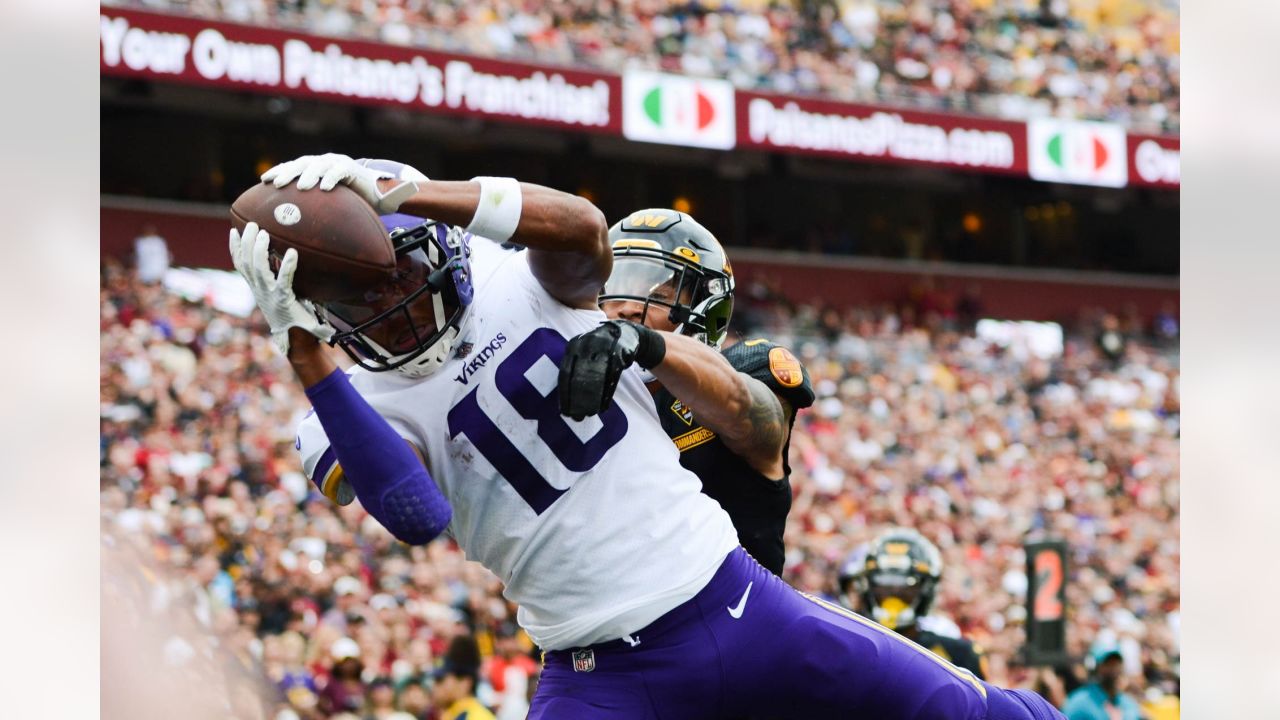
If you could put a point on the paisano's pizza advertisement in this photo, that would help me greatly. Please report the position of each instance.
(197, 51)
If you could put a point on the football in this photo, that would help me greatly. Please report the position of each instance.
(342, 245)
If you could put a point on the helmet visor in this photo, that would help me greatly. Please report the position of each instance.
(646, 279)
(894, 585)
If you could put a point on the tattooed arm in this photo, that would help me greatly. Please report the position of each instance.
(745, 413)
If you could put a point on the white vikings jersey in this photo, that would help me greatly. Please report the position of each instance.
(593, 526)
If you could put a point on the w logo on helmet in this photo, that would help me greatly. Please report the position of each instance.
(650, 220)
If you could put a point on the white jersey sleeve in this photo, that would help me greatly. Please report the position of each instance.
(320, 462)
(594, 527)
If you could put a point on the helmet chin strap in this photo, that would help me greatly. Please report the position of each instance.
(431, 360)
(646, 375)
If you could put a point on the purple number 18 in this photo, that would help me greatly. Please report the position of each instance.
(469, 419)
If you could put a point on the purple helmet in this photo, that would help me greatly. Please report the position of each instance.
(410, 322)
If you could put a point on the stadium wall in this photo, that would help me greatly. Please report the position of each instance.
(197, 237)
(1006, 293)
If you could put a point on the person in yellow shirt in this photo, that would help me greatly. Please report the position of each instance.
(454, 692)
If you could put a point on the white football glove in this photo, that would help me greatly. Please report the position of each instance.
(332, 168)
(274, 292)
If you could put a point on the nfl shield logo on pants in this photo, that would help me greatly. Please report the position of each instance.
(584, 660)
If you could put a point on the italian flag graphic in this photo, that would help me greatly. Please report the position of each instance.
(678, 110)
(696, 112)
(1093, 153)
(1085, 153)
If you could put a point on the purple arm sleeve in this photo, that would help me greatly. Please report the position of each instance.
(383, 471)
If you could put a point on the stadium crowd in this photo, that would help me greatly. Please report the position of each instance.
(1115, 60)
(918, 423)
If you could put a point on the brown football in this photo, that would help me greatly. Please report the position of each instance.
(343, 248)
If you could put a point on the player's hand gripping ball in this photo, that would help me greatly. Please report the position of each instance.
(362, 176)
(274, 291)
(593, 362)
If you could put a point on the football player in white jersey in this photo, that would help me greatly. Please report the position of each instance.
(626, 574)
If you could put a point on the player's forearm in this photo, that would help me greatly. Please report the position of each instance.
(703, 380)
(567, 236)
(550, 220)
(741, 410)
(308, 358)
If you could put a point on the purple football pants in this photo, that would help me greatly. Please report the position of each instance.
(749, 645)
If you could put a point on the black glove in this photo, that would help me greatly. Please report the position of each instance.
(594, 360)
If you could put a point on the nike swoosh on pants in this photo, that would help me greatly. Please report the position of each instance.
(736, 612)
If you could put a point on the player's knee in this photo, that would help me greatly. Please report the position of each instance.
(832, 651)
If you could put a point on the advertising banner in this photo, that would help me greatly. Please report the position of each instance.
(241, 57)
(677, 110)
(879, 134)
(1155, 161)
(642, 106)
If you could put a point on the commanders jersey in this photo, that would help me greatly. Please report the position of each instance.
(957, 651)
(758, 505)
(593, 526)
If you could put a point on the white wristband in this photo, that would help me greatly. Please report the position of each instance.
(498, 213)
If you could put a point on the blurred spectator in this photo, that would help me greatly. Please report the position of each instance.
(415, 700)
(1049, 685)
(346, 592)
(1166, 326)
(344, 692)
(1104, 698)
(457, 680)
(151, 253)
(1115, 60)
(382, 702)
(509, 671)
(1111, 340)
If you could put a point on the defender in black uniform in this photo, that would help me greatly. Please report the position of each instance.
(669, 298)
(894, 583)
